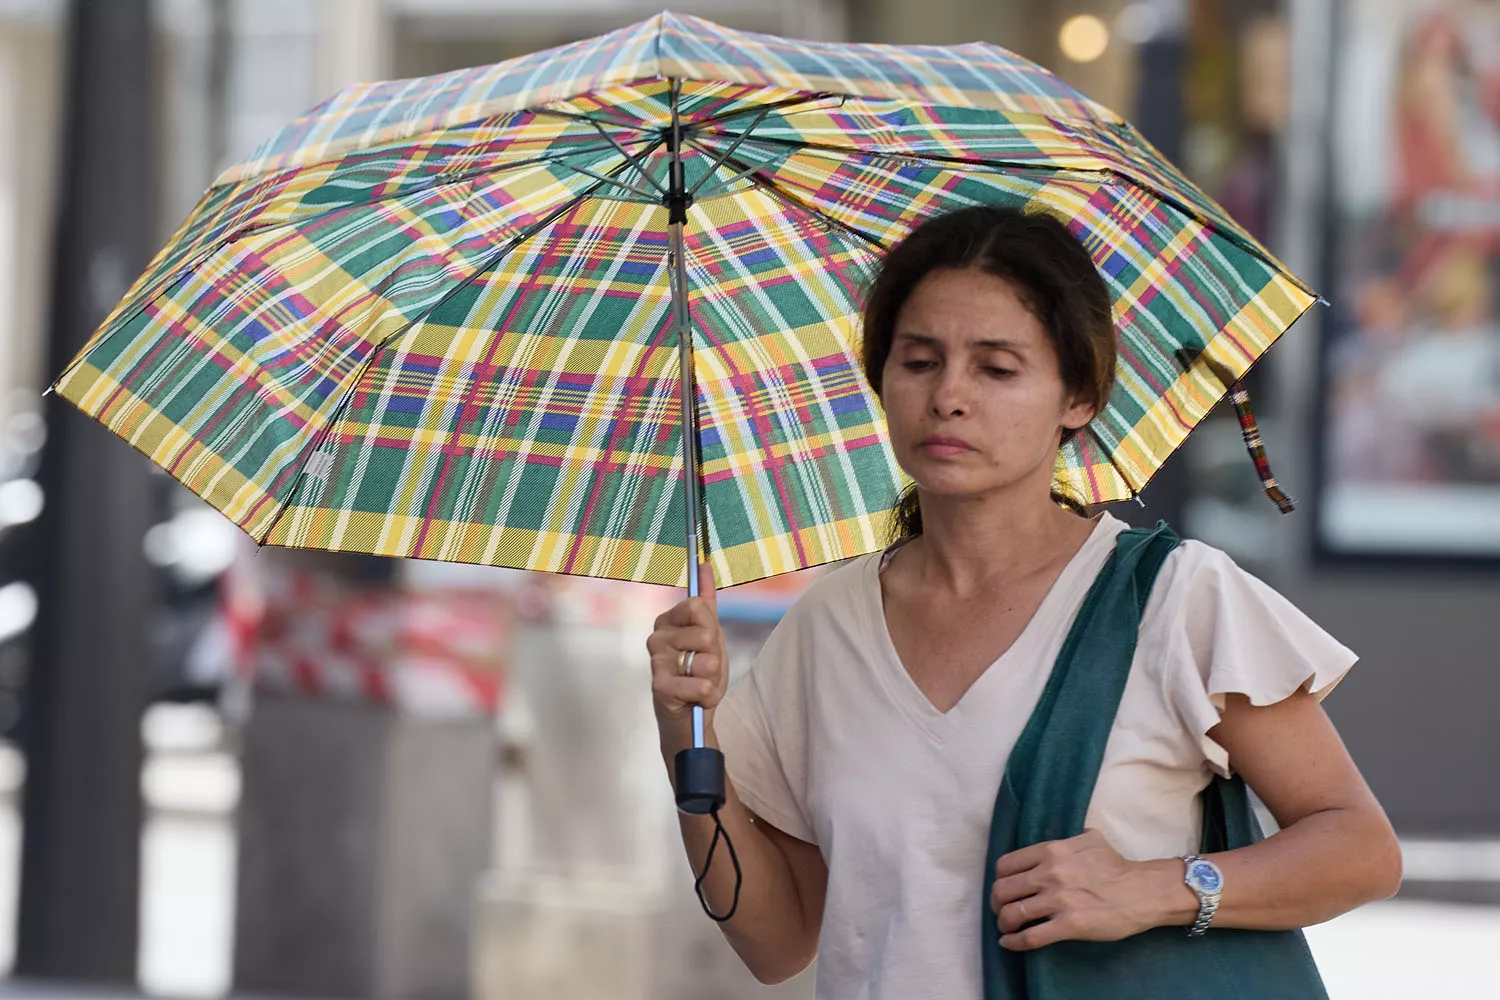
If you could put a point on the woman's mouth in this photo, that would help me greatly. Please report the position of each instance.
(943, 446)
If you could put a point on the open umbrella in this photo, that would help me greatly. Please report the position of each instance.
(594, 310)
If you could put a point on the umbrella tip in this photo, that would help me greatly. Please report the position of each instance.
(1324, 302)
(49, 390)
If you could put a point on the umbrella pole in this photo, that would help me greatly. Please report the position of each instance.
(699, 771)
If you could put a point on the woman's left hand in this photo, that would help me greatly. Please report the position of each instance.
(1081, 889)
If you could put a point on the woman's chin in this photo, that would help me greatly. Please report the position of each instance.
(946, 479)
(936, 486)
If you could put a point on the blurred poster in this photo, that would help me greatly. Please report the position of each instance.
(1412, 437)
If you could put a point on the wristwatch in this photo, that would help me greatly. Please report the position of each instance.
(1205, 879)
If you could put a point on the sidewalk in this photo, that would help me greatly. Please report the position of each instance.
(23, 990)
(1409, 950)
(1390, 951)
(20, 989)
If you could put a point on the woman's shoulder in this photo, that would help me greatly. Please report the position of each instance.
(828, 621)
(825, 624)
(1199, 589)
(1192, 558)
(1188, 560)
(835, 591)
(1201, 572)
(1215, 620)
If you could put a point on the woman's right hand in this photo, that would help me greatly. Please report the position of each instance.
(692, 625)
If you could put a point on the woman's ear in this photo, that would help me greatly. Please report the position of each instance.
(1078, 413)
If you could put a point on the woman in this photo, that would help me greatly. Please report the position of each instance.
(865, 747)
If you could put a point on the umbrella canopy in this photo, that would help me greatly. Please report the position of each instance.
(435, 318)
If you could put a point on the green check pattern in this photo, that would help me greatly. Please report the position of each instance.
(432, 318)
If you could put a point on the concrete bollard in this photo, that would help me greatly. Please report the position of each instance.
(363, 836)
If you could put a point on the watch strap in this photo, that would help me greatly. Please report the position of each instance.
(1208, 902)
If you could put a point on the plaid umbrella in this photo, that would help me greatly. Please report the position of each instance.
(442, 318)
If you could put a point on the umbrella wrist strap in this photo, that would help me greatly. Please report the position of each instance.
(734, 859)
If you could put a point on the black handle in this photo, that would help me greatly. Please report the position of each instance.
(700, 780)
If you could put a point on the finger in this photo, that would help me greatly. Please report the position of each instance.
(674, 648)
(1016, 915)
(1038, 935)
(676, 638)
(1023, 860)
(707, 664)
(677, 615)
(693, 611)
(687, 690)
(660, 640)
(1014, 887)
(689, 611)
(704, 666)
(706, 588)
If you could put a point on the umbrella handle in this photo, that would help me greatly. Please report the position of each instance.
(700, 780)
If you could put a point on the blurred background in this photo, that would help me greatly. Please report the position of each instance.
(225, 772)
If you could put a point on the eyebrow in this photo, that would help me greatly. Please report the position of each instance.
(1001, 344)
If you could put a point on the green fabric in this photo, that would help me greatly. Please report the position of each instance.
(1045, 795)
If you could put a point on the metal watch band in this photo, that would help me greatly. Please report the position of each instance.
(1208, 902)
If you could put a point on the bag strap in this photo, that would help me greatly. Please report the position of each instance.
(1050, 776)
(1055, 764)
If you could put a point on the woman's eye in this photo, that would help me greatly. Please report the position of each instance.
(998, 372)
(916, 366)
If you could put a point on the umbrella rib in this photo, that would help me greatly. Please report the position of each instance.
(632, 188)
(484, 267)
(724, 185)
(764, 109)
(441, 180)
(639, 164)
(637, 126)
(927, 159)
(575, 116)
(719, 162)
(779, 194)
(947, 162)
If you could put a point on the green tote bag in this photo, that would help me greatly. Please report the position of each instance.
(1049, 780)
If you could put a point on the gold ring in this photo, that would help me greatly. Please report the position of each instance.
(685, 662)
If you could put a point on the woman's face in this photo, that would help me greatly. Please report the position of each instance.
(971, 388)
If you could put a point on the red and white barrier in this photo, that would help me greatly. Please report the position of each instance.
(430, 652)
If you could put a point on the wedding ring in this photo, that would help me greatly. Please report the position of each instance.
(685, 661)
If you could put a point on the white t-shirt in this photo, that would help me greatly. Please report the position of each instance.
(828, 738)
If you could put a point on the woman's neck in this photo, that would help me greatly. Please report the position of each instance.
(969, 545)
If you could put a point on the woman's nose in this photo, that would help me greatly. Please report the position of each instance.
(949, 395)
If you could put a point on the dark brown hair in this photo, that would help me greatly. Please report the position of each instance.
(1050, 270)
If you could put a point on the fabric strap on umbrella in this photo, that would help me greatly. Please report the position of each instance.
(1257, 449)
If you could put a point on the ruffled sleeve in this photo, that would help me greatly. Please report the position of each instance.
(761, 728)
(1229, 633)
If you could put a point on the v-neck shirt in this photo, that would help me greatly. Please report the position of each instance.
(904, 688)
(827, 737)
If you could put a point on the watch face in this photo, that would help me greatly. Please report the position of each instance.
(1205, 876)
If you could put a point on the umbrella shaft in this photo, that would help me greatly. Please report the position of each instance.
(689, 406)
(689, 429)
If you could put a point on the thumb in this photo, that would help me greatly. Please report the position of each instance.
(706, 589)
